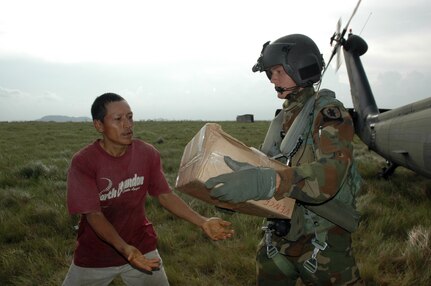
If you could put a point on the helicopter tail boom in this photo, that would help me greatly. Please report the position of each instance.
(402, 135)
(363, 99)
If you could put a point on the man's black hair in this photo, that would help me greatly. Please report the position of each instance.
(98, 109)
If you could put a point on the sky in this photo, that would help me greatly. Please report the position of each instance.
(192, 59)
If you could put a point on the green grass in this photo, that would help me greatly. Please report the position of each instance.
(37, 236)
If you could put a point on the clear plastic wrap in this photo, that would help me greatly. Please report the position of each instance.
(203, 158)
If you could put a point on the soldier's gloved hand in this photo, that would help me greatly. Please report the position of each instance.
(247, 182)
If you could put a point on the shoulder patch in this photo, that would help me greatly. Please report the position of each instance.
(331, 113)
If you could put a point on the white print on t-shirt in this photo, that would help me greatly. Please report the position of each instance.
(130, 184)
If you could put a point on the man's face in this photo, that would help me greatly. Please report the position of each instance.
(280, 78)
(117, 126)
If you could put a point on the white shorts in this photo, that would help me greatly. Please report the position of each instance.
(80, 276)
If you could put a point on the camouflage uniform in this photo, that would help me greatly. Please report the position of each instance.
(321, 169)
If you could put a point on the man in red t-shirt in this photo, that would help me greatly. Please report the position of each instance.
(108, 182)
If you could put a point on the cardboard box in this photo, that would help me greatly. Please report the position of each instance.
(203, 159)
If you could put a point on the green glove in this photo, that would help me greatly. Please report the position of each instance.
(247, 182)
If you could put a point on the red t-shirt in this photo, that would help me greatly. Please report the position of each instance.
(117, 186)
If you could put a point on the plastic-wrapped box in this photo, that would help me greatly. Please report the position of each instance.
(203, 159)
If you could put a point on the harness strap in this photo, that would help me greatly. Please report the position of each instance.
(298, 127)
(273, 253)
(319, 243)
(282, 265)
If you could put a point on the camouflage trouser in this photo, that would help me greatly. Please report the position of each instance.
(336, 265)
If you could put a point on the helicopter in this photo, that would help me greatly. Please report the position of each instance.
(402, 135)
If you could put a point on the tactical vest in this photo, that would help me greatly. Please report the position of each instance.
(340, 210)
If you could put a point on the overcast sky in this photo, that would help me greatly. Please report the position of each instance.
(192, 59)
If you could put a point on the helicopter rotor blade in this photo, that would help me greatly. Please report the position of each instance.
(353, 14)
(336, 50)
(337, 47)
(339, 60)
(338, 38)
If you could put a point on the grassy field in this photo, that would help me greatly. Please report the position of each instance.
(392, 245)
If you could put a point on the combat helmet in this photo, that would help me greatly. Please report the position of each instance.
(299, 56)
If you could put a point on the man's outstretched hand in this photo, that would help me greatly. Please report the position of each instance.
(139, 261)
(217, 229)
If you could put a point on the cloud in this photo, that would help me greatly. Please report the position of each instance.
(393, 89)
(50, 96)
(184, 63)
(7, 93)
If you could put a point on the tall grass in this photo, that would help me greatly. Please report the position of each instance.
(37, 236)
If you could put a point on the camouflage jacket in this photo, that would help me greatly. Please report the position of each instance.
(322, 171)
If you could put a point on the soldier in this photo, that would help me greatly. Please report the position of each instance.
(313, 136)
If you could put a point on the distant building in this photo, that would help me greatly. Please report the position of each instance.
(249, 118)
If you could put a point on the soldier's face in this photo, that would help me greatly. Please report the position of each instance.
(280, 78)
